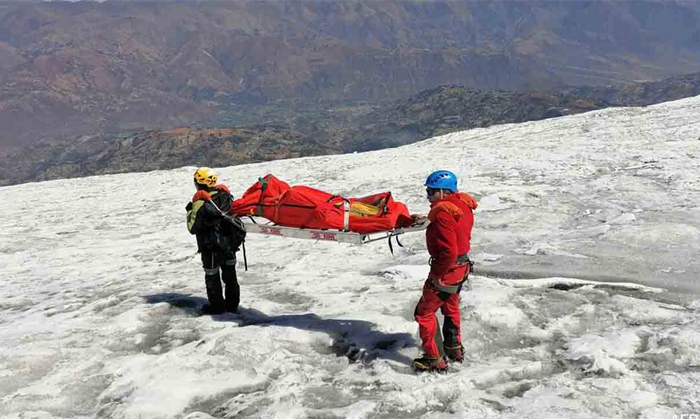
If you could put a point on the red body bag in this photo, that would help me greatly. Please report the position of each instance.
(306, 207)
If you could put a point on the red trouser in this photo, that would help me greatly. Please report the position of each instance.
(429, 303)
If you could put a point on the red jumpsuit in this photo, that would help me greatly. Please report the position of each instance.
(448, 237)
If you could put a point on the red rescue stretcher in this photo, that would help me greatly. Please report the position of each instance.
(272, 207)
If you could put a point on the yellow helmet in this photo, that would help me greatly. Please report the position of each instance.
(205, 176)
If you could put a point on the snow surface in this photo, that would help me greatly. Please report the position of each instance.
(584, 303)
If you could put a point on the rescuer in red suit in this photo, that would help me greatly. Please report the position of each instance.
(448, 239)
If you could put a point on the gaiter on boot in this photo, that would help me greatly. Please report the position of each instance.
(214, 293)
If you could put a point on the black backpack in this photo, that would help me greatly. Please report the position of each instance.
(229, 233)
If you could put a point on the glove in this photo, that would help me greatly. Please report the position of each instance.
(222, 187)
(418, 219)
(201, 195)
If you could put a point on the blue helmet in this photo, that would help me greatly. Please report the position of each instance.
(444, 180)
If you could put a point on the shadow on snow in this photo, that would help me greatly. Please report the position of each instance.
(357, 340)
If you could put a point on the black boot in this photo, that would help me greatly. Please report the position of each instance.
(453, 347)
(214, 294)
(233, 290)
(430, 364)
(455, 353)
(207, 309)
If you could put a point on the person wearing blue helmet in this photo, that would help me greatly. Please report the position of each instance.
(442, 180)
(448, 238)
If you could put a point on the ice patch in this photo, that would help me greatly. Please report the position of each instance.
(551, 281)
(486, 257)
(602, 353)
(406, 272)
(623, 219)
(643, 311)
(546, 249)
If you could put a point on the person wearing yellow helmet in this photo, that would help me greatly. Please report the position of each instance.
(218, 239)
(205, 177)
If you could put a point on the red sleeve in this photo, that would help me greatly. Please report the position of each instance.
(446, 244)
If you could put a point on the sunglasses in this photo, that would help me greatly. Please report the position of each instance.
(431, 191)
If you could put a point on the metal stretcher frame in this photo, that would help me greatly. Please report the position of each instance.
(269, 228)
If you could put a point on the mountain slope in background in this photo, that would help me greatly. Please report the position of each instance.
(453, 108)
(292, 132)
(441, 110)
(87, 68)
(152, 150)
(641, 94)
